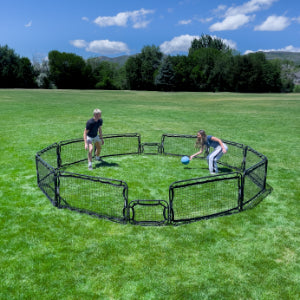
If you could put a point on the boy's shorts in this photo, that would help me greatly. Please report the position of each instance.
(91, 140)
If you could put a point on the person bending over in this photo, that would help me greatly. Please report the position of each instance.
(93, 135)
(205, 141)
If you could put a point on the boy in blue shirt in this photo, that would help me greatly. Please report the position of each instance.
(93, 135)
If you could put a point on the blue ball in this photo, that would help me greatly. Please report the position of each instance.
(185, 160)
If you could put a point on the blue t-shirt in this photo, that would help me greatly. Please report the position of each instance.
(211, 143)
(92, 126)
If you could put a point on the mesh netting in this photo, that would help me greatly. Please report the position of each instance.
(46, 179)
(253, 158)
(234, 157)
(185, 145)
(149, 212)
(49, 155)
(254, 181)
(151, 148)
(103, 197)
(175, 144)
(121, 144)
(72, 151)
(201, 197)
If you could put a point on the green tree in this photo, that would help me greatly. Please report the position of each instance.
(41, 68)
(15, 72)
(133, 72)
(121, 77)
(151, 58)
(206, 41)
(67, 70)
(219, 77)
(26, 74)
(8, 67)
(165, 78)
(252, 73)
(287, 75)
(211, 61)
(107, 75)
(182, 69)
(203, 61)
(141, 69)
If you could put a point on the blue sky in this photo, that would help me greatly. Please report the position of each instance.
(116, 27)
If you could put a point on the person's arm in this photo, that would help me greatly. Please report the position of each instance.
(220, 143)
(85, 132)
(198, 153)
(100, 134)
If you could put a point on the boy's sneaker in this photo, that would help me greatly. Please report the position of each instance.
(98, 158)
(90, 167)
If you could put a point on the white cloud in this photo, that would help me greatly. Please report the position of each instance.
(119, 20)
(85, 19)
(207, 20)
(250, 7)
(274, 23)
(182, 43)
(79, 43)
(230, 23)
(29, 24)
(296, 19)
(107, 47)
(220, 8)
(178, 44)
(140, 24)
(137, 18)
(229, 43)
(103, 47)
(289, 48)
(185, 22)
(189, 21)
(236, 16)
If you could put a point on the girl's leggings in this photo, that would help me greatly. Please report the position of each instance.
(213, 157)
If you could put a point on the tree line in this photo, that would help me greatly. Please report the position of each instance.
(209, 66)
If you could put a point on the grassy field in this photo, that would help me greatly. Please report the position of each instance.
(47, 253)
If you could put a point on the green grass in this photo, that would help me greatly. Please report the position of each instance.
(47, 253)
(147, 176)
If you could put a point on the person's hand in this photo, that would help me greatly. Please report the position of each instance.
(224, 150)
(191, 157)
(85, 146)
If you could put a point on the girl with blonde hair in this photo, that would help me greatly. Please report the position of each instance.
(204, 142)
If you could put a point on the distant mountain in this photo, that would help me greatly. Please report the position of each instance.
(121, 60)
(292, 56)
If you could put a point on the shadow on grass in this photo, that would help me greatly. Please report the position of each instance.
(105, 164)
(225, 170)
(197, 168)
(257, 200)
(221, 170)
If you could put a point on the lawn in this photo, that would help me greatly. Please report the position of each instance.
(47, 253)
